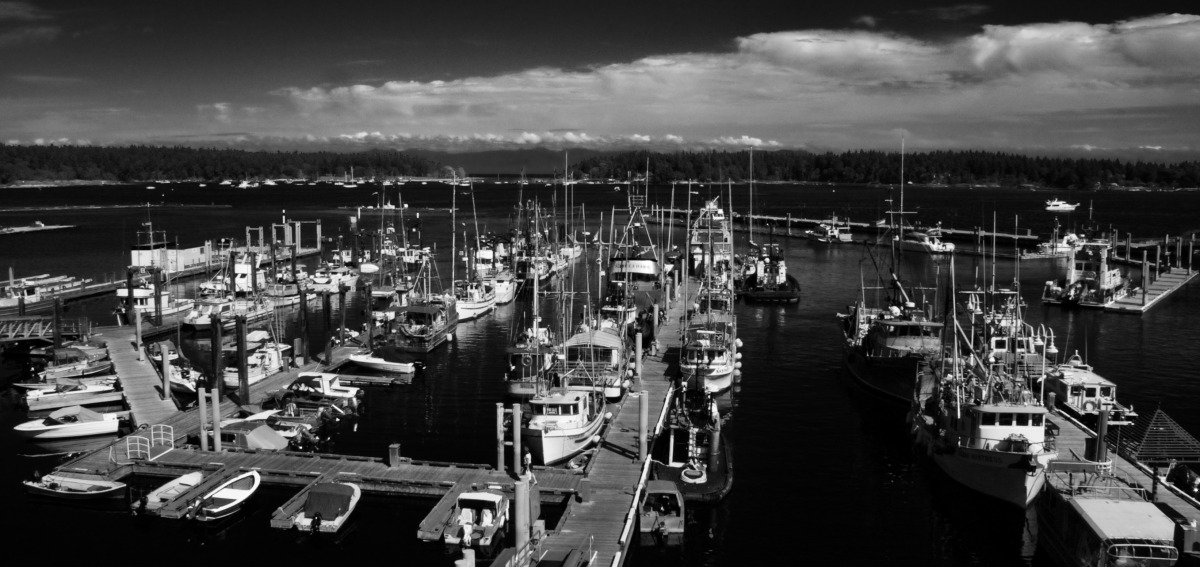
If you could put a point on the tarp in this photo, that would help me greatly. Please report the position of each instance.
(329, 499)
(80, 414)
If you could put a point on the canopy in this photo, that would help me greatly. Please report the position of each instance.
(329, 499)
(595, 338)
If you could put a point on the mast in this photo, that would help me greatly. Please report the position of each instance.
(453, 229)
(751, 197)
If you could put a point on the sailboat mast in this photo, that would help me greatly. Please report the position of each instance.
(453, 230)
(751, 196)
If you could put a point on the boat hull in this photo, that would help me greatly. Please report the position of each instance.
(376, 363)
(1004, 476)
(892, 378)
(550, 447)
(35, 429)
(68, 488)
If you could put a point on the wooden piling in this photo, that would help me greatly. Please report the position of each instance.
(215, 338)
(393, 455)
(499, 436)
(166, 370)
(518, 461)
(242, 365)
(216, 417)
(201, 394)
(643, 424)
(137, 330)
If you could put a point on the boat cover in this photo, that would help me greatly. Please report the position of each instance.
(79, 413)
(329, 499)
(595, 338)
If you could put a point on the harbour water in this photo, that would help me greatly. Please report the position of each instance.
(825, 472)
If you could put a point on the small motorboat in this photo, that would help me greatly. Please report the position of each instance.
(68, 391)
(380, 361)
(1059, 205)
(72, 421)
(479, 519)
(662, 515)
(226, 499)
(72, 488)
(327, 507)
(80, 370)
(158, 497)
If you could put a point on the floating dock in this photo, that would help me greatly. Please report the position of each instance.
(1151, 294)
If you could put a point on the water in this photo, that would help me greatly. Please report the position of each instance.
(824, 471)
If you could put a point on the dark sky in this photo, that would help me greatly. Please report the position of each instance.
(1025, 76)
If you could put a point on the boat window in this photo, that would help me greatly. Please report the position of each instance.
(1006, 419)
(1038, 419)
(1106, 391)
(1000, 344)
(1091, 392)
(1076, 390)
(569, 410)
(1022, 419)
(988, 419)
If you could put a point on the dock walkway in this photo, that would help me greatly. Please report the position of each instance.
(141, 382)
(1164, 285)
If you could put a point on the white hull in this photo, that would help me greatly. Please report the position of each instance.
(555, 446)
(158, 497)
(992, 474)
(470, 309)
(506, 291)
(229, 497)
(36, 429)
(376, 363)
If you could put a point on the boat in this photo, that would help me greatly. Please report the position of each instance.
(146, 300)
(33, 294)
(1059, 206)
(684, 452)
(1056, 247)
(533, 351)
(710, 243)
(226, 309)
(1088, 517)
(479, 521)
(83, 370)
(167, 492)
(635, 271)
(928, 240)
(385, 359)
(562, 423)
(75, 488)
(67, 392)
(832, 231)
(595, 358)
(226, 499)
(662, 514)
(473, 299)
(1084, 393)
(430, 318)
(316, 391)
(332, 277)
(766, 278)
(72, 421)
(1091, 279)
(709, 355)
(266, 360)
(980, 421)
(327, 506)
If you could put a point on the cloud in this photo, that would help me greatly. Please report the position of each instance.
(46, 80)
(220, 111)
(22, 12)
(29, 34)
(867, 21)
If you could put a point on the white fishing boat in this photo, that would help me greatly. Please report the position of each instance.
(562, 423)
(928, 241)
(331, 277)
(1060, 206)
(1092, 278)
(327, 506)
(226, 499)
(75, 488)
(32, 294)
(473, 299)
(1084, 393)
(144, 299)
(167, 492)
(73, 421)
(595, 358)
(504, 284)
(267, 360)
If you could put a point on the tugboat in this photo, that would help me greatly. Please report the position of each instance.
(1091, 281)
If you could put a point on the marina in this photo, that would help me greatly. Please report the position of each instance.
(598, 502)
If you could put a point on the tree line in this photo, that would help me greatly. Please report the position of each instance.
(867, 167)
(143, 163)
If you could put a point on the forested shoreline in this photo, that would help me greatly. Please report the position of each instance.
(124, 164)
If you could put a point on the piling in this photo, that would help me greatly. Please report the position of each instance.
(58, 326)
(166, 370)
(643, 424)
(1145, 276)
(1101, 434)
(1157, 260)
(215, 339)
(254, 271)
(1050, 402)
(298, 354)
(637, 361)
(654, 323)
(201, 394)
(327, 309)
(216, 415)
(242, 365)
(499, 436)
(303, 322)
(516, 438)
(714, 448)
(522, 510)
(342, 289)
(137, 329)
(393, 455)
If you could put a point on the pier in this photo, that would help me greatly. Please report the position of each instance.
(601, 500)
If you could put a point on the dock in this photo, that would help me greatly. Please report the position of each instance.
(1168, 282)
(601, 501)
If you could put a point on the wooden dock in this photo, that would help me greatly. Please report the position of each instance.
(1151, 294)
(140, 381)
(1072, 444)
(27, 328)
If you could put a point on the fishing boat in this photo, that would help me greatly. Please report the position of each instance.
(710, 242)
(928, 240)
(75, 488)
(692, 452)
(1091, 280)
(1060, 206)
(1084, 393)
(200, 318)
(1088, 517)
(226, 499)
(479, 520)
(168, 491)
(1056, 247)
(661, 516)
(832, 231)
(766, 278)
(32, 294)
(327, 506)
(981, 423)
(385, 359)
(635, 271)
(72, 421)
(562, 423)
(473, 299)
(332, 277)
(266, 360)
(532, 352)
(709, 357)
(595, 358)
(150, 299)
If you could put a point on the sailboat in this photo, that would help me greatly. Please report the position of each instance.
(473, 298)
(982, 423)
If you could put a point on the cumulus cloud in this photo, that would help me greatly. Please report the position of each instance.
(21, 12)
(867, 21)
(29, 34)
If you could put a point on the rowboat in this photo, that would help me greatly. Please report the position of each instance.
(71, 488)
(158, 497)
(226, 499)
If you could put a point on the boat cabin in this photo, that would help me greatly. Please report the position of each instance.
(595, 349)
(479, 520)
(1010, 428)
(561, 409)
(898, 338)
(1086, 393)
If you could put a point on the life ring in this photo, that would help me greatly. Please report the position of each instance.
(1089, 406)
(526, 359)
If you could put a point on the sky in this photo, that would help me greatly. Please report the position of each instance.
(1106, 79)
